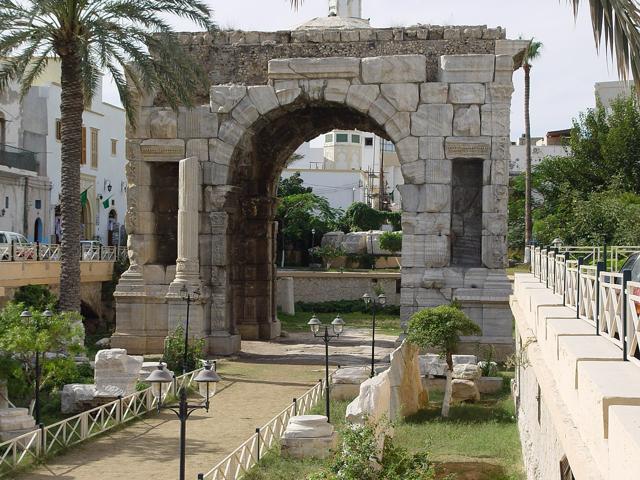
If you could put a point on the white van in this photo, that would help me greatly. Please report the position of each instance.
(11, 237)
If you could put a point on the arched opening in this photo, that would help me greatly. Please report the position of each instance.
(255, 168)
(86, 218)
(112, 229)
(37, 231)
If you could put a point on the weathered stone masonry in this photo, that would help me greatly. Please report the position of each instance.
(442, 95)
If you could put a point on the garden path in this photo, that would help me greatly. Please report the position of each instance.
(256, 386)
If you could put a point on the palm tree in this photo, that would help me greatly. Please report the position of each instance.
(88, 37)
(532, 53)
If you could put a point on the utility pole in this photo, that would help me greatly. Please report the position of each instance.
(381, 189)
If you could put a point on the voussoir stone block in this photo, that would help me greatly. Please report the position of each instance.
(264, 98)
(407, 149)
(314, 89)
(403, 96)
(245, 113)
(433, 120)
(231, 132)
(431, 148)
(220, 152)
(287, 91)
(224, 98)
(434, 92)
(471, 68)
(467, 93)
(395, 69)
(330, 67)
(466, 122)
(381, 110)
(336, 90)
(361, 97)
(399, 126)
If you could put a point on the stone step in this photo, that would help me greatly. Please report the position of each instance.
(13, 412)
(16, 423)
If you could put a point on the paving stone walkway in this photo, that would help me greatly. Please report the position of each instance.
(256, 386)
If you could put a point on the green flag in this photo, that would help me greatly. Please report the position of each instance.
(83, 197)
(105, 204)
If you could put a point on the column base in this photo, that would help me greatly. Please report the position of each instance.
(223, 345)
(138, 344)
(260, 331)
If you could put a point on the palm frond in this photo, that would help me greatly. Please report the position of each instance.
(616, 23)
(296, 3)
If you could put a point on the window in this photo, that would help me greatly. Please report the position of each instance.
(83, 155)
(38, 204)
(328, 138)
(368, 142)
(58, 129)
(114, 147)
(94, 148)
(355, 139)
(388, 146)
(342, 138)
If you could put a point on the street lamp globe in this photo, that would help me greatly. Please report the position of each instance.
(366, 298)
(314, 323)
(47, 313)
(26, 314)
(207, 381)
(382, 299)
(160, 379)
(338, 325)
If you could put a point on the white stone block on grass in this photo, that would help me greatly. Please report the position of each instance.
(116, 373)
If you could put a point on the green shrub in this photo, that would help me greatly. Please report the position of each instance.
(360, 217)
(358, 458)
(36, 297)
(391, 241)
(174, 351)
(344, 306)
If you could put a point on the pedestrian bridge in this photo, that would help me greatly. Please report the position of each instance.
(577, 384)
(39, 264)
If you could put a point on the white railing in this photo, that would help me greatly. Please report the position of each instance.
(235, 465)
(48, 440)
(609, 301)
(51, 252)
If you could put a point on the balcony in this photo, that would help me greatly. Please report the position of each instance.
(18, 158)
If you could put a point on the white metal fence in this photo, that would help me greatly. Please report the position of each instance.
(48, 440)
(608, 300)
(44, 252)
(235, 465)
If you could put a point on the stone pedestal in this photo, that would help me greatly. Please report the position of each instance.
(15, 422)
(308, 436)
(345, 382)
(285, 295)
(116, 373)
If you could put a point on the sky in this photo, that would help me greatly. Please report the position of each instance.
(562, 80)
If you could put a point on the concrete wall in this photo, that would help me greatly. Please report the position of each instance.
(576, 396)
(332, 286)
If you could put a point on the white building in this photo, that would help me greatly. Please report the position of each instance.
(34, 125)
(346, 168)
(552, 145)
(607, 92)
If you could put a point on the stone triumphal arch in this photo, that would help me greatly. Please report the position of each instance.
(202, 181)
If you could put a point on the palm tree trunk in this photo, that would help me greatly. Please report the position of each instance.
(528, 226)
(71, 109)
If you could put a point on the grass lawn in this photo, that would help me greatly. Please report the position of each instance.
(389, 324)
(477, 442)
(520, 268)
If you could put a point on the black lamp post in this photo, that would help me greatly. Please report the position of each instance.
(375, 301)
(26, 316)
(160, 380)
(338, 327)
(188, 297)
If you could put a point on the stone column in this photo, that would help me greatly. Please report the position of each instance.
(187, 264)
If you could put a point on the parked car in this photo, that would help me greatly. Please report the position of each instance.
(19, 240)
(633, 265)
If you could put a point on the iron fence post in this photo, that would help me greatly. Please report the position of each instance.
(13, 250)
(600, 267)
(258, 444)
(626, 277)
(555, 268)
(580, 260)
(546, 267)
(604, 254)
(201, 476)
(100, 252)
(564, 288)
(119, 408)
(295, 407)
(37, 251)
(43, 440)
